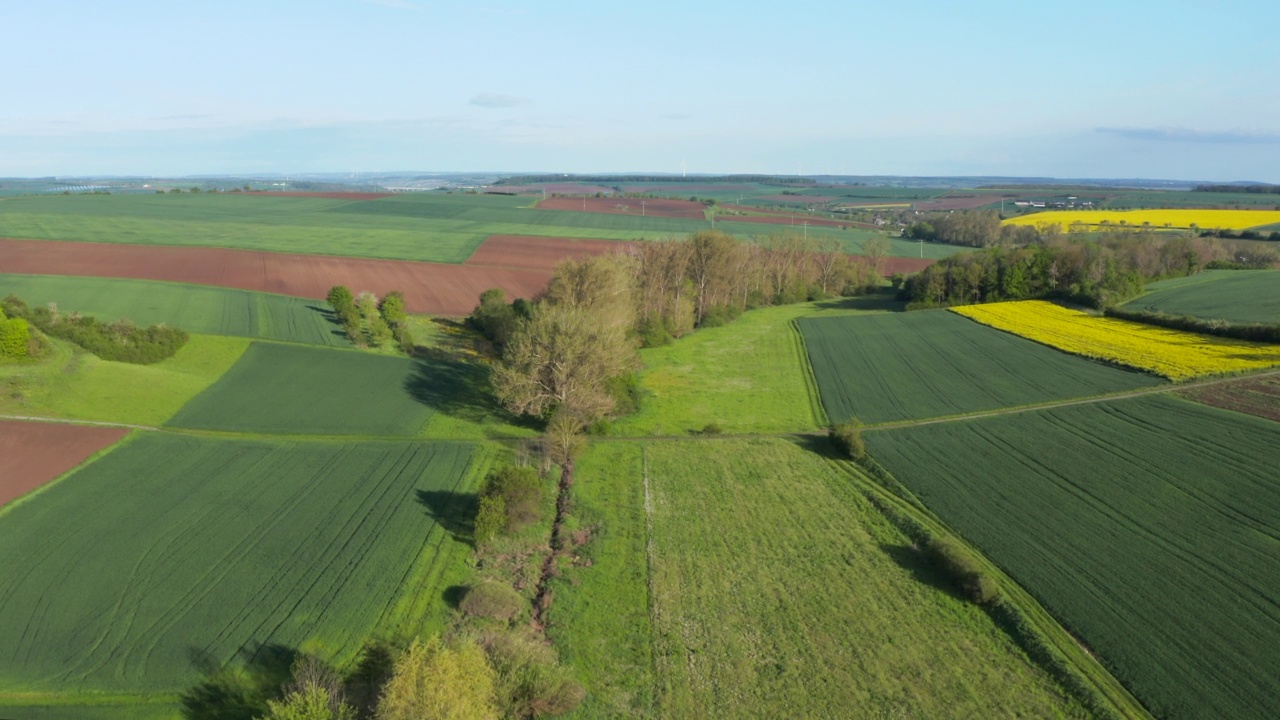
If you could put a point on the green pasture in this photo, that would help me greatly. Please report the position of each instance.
(777, 590)
(932, 363)
(1238, 296)
(1183, 199)
(71, 383)
(747, 376)
(173, 557)
(194, 308)
(1149, 527)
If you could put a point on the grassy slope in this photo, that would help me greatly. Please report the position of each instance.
(194, 308)
(747, 376)
(429, 227)
(1239, 296)
(777, 592)
(191, 552)
(290, 389)
(934, 363)
(75, 384)
(1148, 526)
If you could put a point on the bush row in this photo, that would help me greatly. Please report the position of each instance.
(121, 341)
(1253, 332)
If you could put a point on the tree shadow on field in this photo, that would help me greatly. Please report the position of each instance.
(331, 318)
(924, 571)
(453, 595)
(240, 689)
(455, 512)
(820, 445)
(457, 388)
(883, 301)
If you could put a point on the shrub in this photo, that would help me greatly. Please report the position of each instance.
(493, 317)
(15, 338)
(520, 490)
(434, 681)
(530, 680)
(493, 600)
(654, 333)
(712, 428)
(341, 300)
(964, 570)
(121, 341)
(848, 437)
(392, 308)
(491, 519)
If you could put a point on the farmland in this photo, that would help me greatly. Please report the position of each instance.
(211, 311)
(821, 616)
(1172, 354)
(75, 384)
(1158, 219)
(35, 453)
(288, 389)
(1259, 396)
(1238, 296)
(177, 555)
(1147, 526)
(428, 287)
(904, 366)
(539, 253)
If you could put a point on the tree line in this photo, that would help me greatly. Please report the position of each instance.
(121, 341)
(1093, 271)
(569, 356)
(1256, 189)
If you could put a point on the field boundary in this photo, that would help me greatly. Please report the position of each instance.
(816, 409)
(34, 492)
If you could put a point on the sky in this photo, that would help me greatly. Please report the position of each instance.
(1119, 89)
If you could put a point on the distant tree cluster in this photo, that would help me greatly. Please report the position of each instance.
(976, 228)
(1095, 272)
(121, 341)
(1257, 189)
(369, 322)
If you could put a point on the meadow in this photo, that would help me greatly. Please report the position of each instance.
(931, 363)
(1157, 219)
(828, 613)
(1173, 354)
(74, 384)
(194, 308)
(293, 389)
(1237, 296)
(1148, 527)
(177, 556)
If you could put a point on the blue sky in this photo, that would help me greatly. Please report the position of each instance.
(1175, 89)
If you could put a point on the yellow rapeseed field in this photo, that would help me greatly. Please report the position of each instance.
(1174, 354)
(1204, 219)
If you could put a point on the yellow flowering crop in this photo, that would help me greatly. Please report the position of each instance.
(1204, 219)
(1174, 354)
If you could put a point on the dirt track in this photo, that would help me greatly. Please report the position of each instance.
(435, 288)
(32, 454)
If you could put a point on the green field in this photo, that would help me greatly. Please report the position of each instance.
(1238, 296)
(173, 555)
(747, 376)
(911, 366)
(432, 227)
(292, 389)
(194, 308)
(74, 384)
(776, 591)
(1149, 527)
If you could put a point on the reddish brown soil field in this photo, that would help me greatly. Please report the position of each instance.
(35, 453)
(653, 207)
(777, 218)
(439, 289)
(539, 253)
(328, 195)
(1253, 396)
(904, 265)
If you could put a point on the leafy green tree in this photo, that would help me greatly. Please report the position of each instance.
(392, 308)
(435, 682)
(311, 704)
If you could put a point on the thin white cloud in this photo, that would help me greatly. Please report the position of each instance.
(1188, 135)
(495, 100)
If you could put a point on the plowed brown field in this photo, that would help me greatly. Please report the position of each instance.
(653, 207)
(33, 453)
(904, 265)
(435, 288)
(539, 253)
